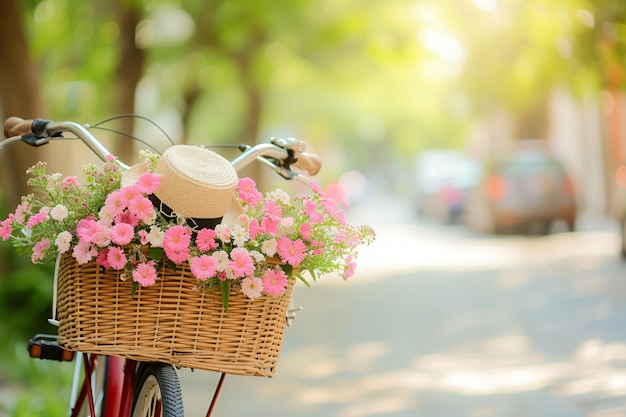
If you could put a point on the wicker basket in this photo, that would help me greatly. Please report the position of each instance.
(170, 321)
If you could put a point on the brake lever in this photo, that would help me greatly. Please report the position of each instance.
(33, 140)
(290, 144)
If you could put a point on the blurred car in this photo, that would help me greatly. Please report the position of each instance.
(528, 192)
(443, 179)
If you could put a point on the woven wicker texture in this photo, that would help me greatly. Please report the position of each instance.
(170, 321)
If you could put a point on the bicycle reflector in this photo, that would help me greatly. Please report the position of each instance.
(45, 346)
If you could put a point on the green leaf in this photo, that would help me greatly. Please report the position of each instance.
(134, 288)
(303, 279)
(225, 285)
(156, 254)
(171, 265)
(287, 269)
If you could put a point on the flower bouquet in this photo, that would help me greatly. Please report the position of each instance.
(123, 233)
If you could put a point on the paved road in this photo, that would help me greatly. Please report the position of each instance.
(440, 322)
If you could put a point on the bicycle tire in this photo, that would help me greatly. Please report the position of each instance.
(157, 392)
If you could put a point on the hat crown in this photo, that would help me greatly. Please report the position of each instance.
(195, 182)
(200, 166)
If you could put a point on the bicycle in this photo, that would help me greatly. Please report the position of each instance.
(124, 387)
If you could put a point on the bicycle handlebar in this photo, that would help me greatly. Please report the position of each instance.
(280, 154)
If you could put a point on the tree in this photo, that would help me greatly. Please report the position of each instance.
(20, 95)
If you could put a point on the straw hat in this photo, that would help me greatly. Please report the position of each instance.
(195, 183)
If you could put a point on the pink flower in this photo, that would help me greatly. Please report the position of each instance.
(128, 193)
(117, 258)
(338, 194)
(206, 240)
(275, 282)
(331, 208)
(310, 208)
(252, 287)
(102, 258)
(242, 264)
(145, 274)
(319, 247)
(38, 218)
(141, 207)
(349, 269)
(91, 231)
(272, 210)
(243, 219)
(246, 188)
(115, 203)
(121, 233)
(39, 250)
(20, 211)
(84, 252)
(69, 182)
(270, 226)
(177, 238)
(147, 183)
(127, 217)
(178, 256)
(292, 252)
(5, 228)
(143, 237)
(305, 231)
(86, 228)
(316, 188)
(204, 267)
(223, 232)
(254, 229)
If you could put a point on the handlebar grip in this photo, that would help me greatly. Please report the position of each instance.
(16, 126)
(308, 162)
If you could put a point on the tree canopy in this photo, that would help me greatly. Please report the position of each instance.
(348, 75)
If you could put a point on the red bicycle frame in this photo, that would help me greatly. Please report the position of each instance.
(118, 387)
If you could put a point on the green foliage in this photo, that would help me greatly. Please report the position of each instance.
(25, 295)
(37, 387)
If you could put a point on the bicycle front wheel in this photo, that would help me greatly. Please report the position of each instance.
(157, 392)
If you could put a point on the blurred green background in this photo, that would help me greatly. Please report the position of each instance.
(368, 83)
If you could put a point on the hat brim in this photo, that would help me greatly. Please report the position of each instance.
(132, 174)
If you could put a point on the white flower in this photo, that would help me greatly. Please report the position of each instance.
(105, 216)
(239, 235)
(269, 247)
(58, 212)
(280, 196)
(222, 260)
(257, 256)
(155, 237)
(63, 241)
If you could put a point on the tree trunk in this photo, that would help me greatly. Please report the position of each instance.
(128, 75)
(20, 95)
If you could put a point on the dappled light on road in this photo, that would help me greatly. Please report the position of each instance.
(503, 365)
(439, 321)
